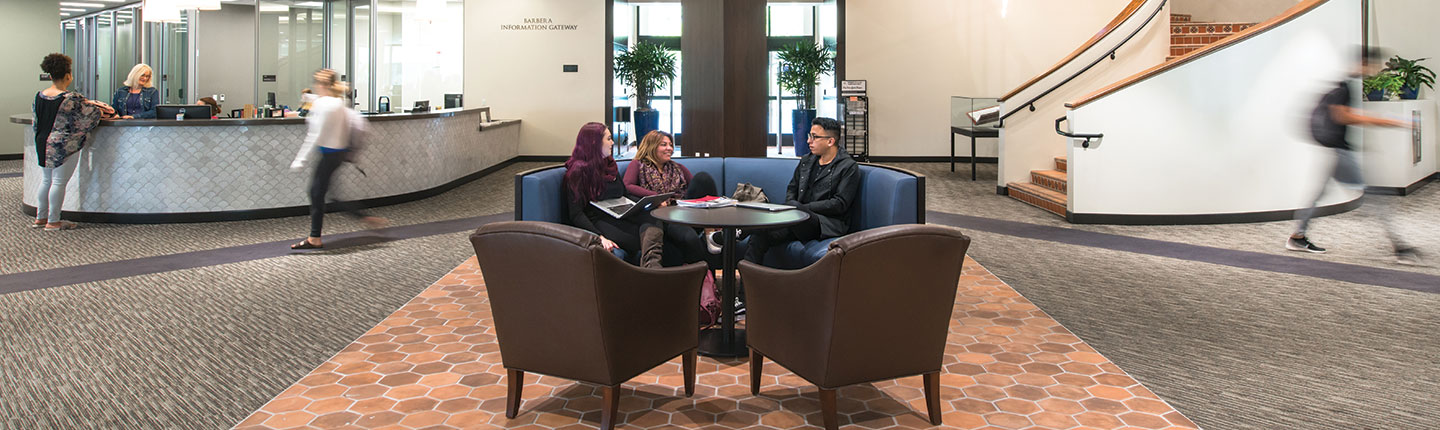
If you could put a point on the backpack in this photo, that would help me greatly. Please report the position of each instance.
(359, 134)
(746, 192)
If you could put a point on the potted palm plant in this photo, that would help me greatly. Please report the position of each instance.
(1379, 87)
(800, 68)
(645, 67)
(1412, 74)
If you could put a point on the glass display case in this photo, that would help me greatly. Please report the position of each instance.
(973, 117)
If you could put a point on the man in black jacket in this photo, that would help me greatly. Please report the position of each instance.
(825, 185)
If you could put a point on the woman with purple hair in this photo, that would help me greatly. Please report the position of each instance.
(592, 175)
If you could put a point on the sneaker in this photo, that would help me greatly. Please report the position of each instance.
(1303, 244)
(1408, 257)
(739, 306)
(711, 244)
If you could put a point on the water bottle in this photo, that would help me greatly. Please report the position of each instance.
(180, 116)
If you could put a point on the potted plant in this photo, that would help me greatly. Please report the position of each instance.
(645, 67)
(1378, 87)
(1412, 74)
(800, 68)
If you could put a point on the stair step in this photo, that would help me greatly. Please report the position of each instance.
(1180, 17)
(1061, 164)
(1038, 196)
(1055, 180)
(1199, 39)
(1178, 50)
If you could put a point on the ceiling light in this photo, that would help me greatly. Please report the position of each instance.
(198, 4)
(71, 9)
(66, 14)
(160, 11)
(75, 4)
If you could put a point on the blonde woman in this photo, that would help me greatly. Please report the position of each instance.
(329, 125)
(653, 172)
(137, 99)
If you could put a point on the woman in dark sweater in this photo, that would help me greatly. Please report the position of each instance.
(137, 99)
(592, 175)
(63, 119)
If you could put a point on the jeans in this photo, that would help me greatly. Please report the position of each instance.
(320, 186)
(52, 190)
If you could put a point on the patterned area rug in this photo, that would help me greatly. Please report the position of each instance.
(435, 364)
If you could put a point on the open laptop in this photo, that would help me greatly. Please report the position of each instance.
(622, 207)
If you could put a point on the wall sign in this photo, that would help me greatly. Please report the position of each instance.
(546, 24)
(44, 76)
(267, 78)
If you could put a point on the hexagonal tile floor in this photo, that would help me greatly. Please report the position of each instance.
(434, 364)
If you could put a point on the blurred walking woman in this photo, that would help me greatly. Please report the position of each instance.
(138, 97)
(329, 125)
(62, 121)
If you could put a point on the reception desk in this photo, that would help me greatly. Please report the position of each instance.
(161, 171)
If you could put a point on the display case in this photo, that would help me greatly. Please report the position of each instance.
(976, 118)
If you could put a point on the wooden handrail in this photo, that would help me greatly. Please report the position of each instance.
(1130, 10)
(1287, 16)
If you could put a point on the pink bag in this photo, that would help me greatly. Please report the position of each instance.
(709, 302)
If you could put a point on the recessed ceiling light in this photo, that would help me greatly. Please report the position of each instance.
(71, 9)
(66, 14)
(75, 4)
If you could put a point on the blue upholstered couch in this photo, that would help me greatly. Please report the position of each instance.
(888, 196)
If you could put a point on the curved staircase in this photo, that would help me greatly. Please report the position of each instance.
(1048, 189)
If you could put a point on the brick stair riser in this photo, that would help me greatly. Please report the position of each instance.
(1176, 51)
(1048, 182)
(1037, 201)
(1179, 18)
(1061, 164)
(1199, 39)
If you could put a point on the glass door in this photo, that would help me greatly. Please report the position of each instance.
(788, 24)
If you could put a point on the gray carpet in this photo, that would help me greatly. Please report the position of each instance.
(202, 347)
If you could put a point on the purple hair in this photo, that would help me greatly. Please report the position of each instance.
(589, 167)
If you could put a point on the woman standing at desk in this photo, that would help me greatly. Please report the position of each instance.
(62, 121)
(138, 97)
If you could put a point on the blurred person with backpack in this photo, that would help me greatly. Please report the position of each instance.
(336, 130)
(1329, 124)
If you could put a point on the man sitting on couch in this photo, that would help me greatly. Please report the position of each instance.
(825, 184)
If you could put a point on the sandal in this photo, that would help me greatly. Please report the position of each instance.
(62, 225)
(305, 244)
(39, 223)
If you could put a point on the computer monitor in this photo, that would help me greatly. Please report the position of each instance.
(454, 101)
(190, 111)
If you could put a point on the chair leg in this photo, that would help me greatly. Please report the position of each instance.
(610, 406)
(932, 396)
(689, 365)
(757, 369)
(515, 379)
(827, 409)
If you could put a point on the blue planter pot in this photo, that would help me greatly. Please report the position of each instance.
(1375, 96)
(800, 130)
(645, 122)
(1408, 93)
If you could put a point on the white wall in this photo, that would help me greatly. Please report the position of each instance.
(917, 53)
(1226, 133)
(37, 27)
(225, 55)
(518, 72)
(1234, 10)
(1028, 140)
(1389, 153)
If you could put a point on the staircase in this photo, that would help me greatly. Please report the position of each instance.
(1187, 36)
(1046, 189)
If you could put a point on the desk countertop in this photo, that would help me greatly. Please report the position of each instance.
(28, 119)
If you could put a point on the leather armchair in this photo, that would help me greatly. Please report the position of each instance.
(565, 307)
(877, 306)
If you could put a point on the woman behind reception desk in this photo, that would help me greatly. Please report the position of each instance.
(137, 99)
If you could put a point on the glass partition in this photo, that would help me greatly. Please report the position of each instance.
(653, 22)
(104, 57)
(360, 59)
(126, 56)
(291, 47)
(418, 51)
(174, 62)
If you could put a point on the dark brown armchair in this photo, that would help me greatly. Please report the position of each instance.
(876, 307)
(565, 307)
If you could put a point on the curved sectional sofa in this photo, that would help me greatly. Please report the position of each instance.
(888, 196)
